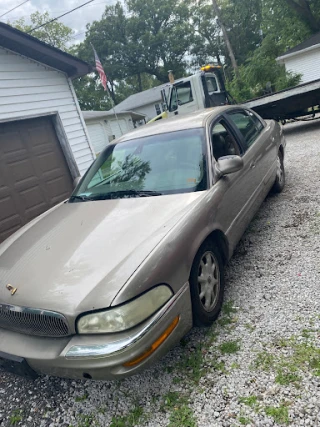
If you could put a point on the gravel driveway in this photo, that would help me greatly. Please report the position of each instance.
(259, 364)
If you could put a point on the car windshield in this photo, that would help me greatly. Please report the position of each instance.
(168, 163)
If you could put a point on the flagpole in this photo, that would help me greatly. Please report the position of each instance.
(114, 111)
(104, 82)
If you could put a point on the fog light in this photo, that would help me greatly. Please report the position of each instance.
(155, 345)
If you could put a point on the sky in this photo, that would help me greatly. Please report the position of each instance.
(77, 20)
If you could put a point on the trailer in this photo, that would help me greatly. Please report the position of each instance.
(293, 103)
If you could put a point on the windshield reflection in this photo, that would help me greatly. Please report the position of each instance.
(154, 165)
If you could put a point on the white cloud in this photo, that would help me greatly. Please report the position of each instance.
(77, 20)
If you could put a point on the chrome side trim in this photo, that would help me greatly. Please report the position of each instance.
(100, 351)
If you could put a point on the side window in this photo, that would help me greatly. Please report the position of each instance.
(246, 126)
(212, 84)
(182, 95)
(223, 143)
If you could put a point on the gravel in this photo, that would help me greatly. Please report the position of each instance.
(259, 365)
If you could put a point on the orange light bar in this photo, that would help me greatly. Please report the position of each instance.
(210, 67)
(155, 345)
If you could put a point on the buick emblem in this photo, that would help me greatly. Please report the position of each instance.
(11, 289)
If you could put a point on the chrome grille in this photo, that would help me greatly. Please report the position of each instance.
(33, 321)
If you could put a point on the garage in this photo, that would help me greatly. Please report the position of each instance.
(44, 142)
(34, 174)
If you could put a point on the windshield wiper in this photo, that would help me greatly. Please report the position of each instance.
(123, 193)
(82, 198)
(115, 195)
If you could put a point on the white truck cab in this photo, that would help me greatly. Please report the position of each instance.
(202, 90)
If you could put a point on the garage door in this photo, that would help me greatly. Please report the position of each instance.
(34, 175)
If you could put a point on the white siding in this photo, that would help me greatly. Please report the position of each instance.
(28, 88)
(98, 136)
(118, 127)
(102, 131)
(307, 64)
(149, 110)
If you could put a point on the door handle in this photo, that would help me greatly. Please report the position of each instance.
(252, 165)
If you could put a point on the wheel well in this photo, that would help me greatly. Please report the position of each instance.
(218, 237)
(281, 150)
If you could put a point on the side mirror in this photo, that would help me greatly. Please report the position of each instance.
(228, 164)
(76, 181)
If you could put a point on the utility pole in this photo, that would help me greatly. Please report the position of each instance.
(226, 37)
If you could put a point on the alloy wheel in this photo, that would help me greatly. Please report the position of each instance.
(209, 281)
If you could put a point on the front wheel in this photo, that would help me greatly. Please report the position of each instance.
(207, 284)
(280, 177)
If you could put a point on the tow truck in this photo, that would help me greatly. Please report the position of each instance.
(206, 88)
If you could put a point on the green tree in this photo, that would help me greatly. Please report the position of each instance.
(281, 23)
(141, 36)
(90, 94)
(307, 11)
(207, 44)
(242, 20)
(260, 70)
(56, 34)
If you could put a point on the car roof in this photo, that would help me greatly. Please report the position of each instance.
(196, 119)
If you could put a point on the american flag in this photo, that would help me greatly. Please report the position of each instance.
(100, 69)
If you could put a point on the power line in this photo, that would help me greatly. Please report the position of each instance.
(14, 8)
(54, 19)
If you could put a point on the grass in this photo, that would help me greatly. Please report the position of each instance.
(264, 360)
(279, 414)
(250, 327)
(218, 366)
(171, 400)
(235, 365)
(251, 401)
(15, 417)
(181, 415)
(192, 363)
(285, 377)
(244, 420)
(81, 398)
(228, 308)
(130, 420)
(229, 347)
(303, 357)
(86, 421)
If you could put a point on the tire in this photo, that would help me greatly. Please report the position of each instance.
(280, 180)
(206, 309)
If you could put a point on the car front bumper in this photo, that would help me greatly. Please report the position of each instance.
(102, 357)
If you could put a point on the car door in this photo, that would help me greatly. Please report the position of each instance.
(234, 190)
(269, 132)
(183, 98)
(260, 150)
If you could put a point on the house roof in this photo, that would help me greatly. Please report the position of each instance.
(27, 45)
(137, 100)
(313, 41)
(91, 115)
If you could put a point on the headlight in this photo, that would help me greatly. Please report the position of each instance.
(125, 316)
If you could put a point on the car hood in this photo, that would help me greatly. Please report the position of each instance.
(78, 256)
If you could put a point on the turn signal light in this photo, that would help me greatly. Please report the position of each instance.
(155, 345)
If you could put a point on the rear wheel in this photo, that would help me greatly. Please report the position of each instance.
(280, 178)
(207, 284)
